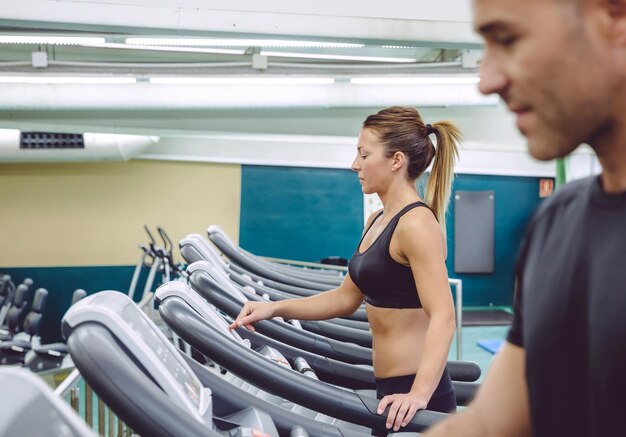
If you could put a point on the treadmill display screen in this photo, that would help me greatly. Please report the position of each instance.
(156, 341)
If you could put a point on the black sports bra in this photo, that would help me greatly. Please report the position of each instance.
(384, 282)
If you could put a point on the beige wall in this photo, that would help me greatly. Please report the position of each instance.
(83, 214)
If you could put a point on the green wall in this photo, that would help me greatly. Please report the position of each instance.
(300, 213)
(307, 214)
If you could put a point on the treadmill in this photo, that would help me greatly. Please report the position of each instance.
(194, 248)
(323, 327)
(157, 391)
(332, 277)
(351, 376)
(210, 286)
(182, 309)
(209, 282)
(258, 268)
(28, 407)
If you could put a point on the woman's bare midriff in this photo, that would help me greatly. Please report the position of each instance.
(397, 339)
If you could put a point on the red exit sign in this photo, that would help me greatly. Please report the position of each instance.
(546, 187)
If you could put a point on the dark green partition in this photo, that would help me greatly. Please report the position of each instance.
(300, 213)
(61, 283)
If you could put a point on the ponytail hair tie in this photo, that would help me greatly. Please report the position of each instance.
(429, 129)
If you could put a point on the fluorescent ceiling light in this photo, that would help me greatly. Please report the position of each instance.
(399, 47)
(59, 79)
(223, 42)
(434, 80)
(167, 49)
(337, 57)
(57, 40)
(244, 80)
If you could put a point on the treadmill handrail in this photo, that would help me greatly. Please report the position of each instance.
(318, 344)
(226, 395)
(342, 333)
(236, 257)
(269, 376)
(294, 272)
(347, 352)
(116, 378)
(327, 329)
(106, 308)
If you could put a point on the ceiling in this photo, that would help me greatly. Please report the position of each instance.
(343, 41)
(432, 40)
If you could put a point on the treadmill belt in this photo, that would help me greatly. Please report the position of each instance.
(486, 318)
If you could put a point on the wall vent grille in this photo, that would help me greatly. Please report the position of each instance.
(51, 140)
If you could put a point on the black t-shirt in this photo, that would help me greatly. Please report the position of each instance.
(570, 312)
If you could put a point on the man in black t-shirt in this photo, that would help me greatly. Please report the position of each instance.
(560, 66)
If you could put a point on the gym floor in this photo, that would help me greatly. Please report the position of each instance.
(471, 351)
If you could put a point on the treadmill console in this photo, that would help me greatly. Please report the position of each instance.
(153, 338)
(147, 344)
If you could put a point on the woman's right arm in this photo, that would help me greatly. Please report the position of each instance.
(341, 301)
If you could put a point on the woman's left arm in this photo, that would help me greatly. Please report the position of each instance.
(422, 243)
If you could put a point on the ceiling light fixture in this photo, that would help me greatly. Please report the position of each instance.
(56, 40)
(432, 80)
(168, 49)
(243, 80)
(59, 79)
(337, 57)
(223, 42)
(399, 47)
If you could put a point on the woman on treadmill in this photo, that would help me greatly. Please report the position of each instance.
(398, 268)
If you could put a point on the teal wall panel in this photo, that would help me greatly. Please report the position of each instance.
(307, 214)
(300, 213)
(516, 198)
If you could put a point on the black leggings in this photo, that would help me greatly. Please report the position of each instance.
(442, 400)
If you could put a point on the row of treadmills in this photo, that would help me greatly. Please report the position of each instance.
(289, 378)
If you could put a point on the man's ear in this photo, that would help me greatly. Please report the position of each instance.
(616, 8)
(616, 11)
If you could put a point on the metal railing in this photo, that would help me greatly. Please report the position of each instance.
(107, 424)
(458, 299)
(307, 264)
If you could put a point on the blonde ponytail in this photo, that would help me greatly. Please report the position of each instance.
(439, 185)
(402, 129)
